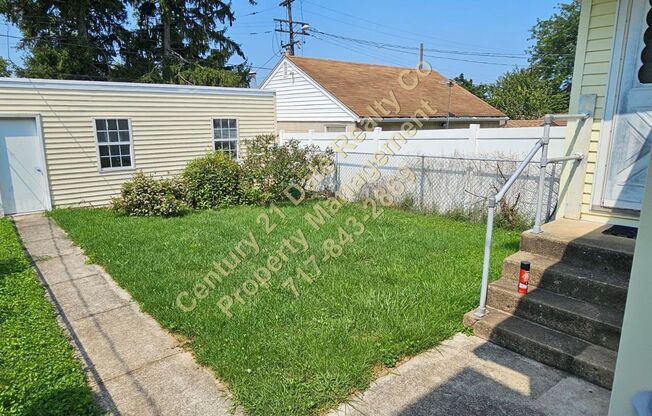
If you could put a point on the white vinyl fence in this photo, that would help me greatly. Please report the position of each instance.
(472, 141)
(455, 169)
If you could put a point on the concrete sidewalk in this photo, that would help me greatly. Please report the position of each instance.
(134, 365)
(469, 376)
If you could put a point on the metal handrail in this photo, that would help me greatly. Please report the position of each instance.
(542, 145)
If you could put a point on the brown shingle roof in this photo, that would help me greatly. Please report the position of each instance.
(359, 85)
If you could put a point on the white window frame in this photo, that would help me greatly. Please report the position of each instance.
(237, 131)
(130, 143)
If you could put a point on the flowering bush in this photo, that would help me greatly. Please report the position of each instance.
(147, 196)
(269, 168)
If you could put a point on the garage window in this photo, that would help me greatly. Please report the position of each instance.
(114, 143)
(225, 136)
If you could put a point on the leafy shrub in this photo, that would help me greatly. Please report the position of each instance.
(147, 196)
(268, 168)
(212, 181)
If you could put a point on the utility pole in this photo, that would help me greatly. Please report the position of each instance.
(288, 4)
(450, 95)
(287, 26)
(421, 55)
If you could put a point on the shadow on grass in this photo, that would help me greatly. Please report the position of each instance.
(11, 266)
(62, 402)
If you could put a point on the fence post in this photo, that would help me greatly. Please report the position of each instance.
(473, 137)
(281, 138)
(311, 134)
(337, 172)
(377, 132)
(422, 181)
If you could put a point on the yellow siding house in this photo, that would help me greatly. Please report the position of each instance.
(613, 62)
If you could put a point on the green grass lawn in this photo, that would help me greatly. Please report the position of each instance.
(295, 330)
(38, 372)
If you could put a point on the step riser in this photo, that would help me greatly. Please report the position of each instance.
(592, 331)
(577, 254)
(600, 376)
(571, 286)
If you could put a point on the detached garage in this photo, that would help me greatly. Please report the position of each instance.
(73, 143)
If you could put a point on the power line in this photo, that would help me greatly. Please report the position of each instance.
(395, 33)
(420, 36)
(266, 62)
(436, 50)
(401, 49)
(404, 50)
(252, 33)
(359, 50)
(259, 12)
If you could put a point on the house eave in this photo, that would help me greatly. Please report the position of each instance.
(108, 86)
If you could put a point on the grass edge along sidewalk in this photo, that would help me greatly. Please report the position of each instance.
(38, 371)
(401, 287)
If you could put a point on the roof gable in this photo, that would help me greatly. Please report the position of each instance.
(358, 86)
(300, 98)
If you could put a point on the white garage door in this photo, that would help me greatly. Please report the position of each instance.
(23, 184)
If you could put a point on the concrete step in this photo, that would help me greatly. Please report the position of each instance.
(589, 361)
(597, 324)
(584, 283)
(582, 244)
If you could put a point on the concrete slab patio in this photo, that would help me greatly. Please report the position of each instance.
(133, 364)
(469, 376)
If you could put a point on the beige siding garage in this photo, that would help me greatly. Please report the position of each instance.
(170, 125)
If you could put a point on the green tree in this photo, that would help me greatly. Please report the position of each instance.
(523, 94)
(182, 42)
(553, 54)
(4, 68)
(67, 38)
(479, 90)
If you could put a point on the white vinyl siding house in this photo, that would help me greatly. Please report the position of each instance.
(301, 101)
(326, 95)
(153, 128)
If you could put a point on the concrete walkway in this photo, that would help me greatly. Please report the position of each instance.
(469, 376)
(134, 365)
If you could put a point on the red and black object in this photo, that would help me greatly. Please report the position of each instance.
(524, 277)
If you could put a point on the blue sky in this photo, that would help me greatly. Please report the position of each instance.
(483, 26)
(475, 30)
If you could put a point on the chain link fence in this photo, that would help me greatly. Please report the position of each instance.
(447, 184)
